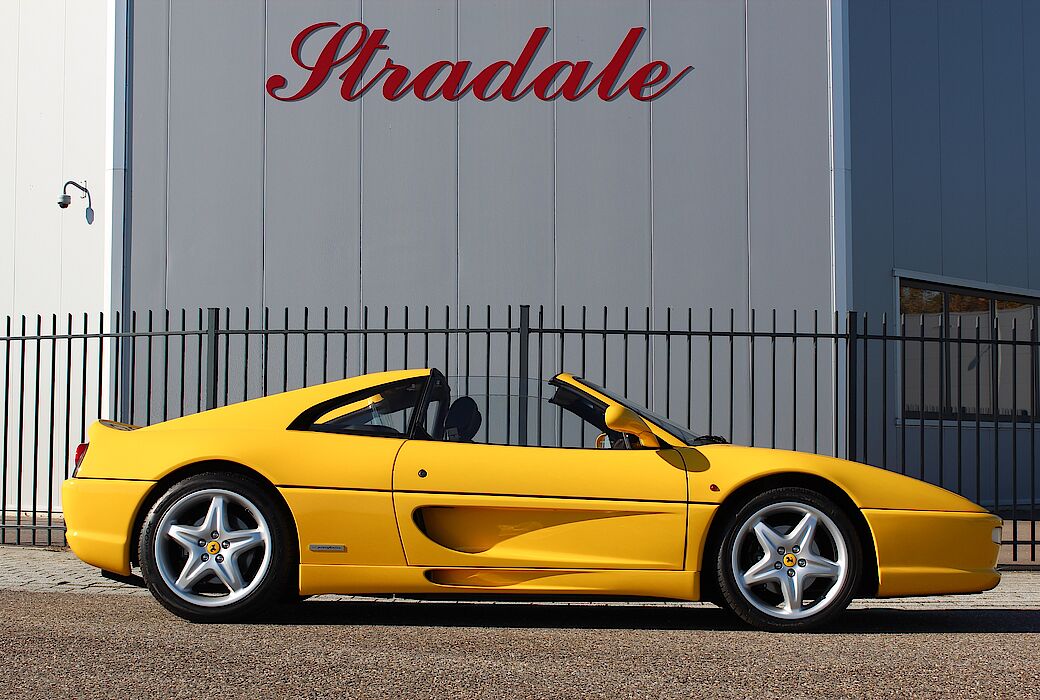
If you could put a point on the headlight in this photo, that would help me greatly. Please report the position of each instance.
(997, 535)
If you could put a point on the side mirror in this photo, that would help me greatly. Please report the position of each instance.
(624, 420)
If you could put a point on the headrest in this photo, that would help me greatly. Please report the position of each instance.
(462, 421)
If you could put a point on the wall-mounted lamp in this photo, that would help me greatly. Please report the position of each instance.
(65, 200)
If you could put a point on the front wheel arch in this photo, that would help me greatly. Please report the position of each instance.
(869, 576)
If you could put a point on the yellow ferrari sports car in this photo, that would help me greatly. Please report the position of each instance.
(406, 483)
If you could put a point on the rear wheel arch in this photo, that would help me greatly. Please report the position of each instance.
(205, 467)
(869, 581)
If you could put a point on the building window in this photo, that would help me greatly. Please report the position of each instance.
(967, 354)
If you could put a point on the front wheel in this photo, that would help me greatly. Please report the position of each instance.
(790, 560)
(216, 547)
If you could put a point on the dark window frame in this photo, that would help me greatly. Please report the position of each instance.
(305, 421)
(948, 340)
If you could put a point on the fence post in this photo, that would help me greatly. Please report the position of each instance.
(212, 323)
(524, 350)
(123, 376)
(852, 374)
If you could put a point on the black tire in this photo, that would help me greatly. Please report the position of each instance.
(270, 583)
(752, 602)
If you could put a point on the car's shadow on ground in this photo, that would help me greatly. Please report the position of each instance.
(521, 616)
(963, 620)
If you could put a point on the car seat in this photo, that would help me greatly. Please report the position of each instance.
(463, 420)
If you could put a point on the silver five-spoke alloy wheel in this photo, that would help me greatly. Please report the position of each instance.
(790, 560)
(212, 547)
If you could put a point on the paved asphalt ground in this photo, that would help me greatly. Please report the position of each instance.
(66, 632)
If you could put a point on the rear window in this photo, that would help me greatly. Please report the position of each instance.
(387, 410)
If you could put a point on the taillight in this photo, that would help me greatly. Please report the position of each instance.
(81, 452)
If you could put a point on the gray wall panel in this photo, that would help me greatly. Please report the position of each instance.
(409, 237)
(312, 178)
(149, 167)
(402, 202)
(506, 248)
(1031, 97)
(700, 158)
(964, 101)
(789, 217)
(870, 75)
(1005, 144)
(962, 160)
(441, 204)
(620, 204)
(215, 166)
(603, 168)
(964, 84)
(788, 133)
(915, 136)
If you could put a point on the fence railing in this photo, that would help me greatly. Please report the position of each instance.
(955, 407)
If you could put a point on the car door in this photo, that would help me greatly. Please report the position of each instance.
(478, 504)
(343, 452)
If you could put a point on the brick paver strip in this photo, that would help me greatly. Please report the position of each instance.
(58, 570)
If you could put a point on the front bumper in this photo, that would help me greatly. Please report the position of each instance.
(99, 517)
(932, 552)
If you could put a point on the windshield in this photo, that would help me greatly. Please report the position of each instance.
(684, 434)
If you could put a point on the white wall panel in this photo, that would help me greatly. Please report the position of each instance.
(52, 129)
(9, 25)
(83, 157)
(40, 123)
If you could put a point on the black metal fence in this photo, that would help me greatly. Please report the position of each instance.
(953, 406)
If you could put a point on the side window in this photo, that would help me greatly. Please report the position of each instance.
(572, 419)
(555, 417)
(385, 411)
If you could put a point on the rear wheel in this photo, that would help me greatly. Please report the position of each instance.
(217, 547)
(790, 560)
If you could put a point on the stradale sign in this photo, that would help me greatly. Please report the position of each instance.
(350, 52)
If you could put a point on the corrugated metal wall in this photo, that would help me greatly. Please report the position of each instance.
(945, 147)
(717, 194)
(945, 150)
